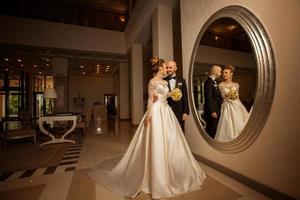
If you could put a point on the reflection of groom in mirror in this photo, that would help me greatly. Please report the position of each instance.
(181, 107)
(212, 100)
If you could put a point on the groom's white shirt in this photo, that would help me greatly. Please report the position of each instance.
(212, 77)
(172, 83)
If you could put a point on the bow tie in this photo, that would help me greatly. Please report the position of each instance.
(173, 77)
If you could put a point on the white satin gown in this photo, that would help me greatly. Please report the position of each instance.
(234, 115)
(158, 160)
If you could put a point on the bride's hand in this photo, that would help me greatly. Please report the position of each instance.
(155, 97)
(147, 121)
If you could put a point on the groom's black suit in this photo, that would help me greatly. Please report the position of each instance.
(179, 107)
(213, 101)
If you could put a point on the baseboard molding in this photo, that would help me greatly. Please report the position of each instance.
(261, 188)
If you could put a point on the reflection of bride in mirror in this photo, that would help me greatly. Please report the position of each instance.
(234, 115)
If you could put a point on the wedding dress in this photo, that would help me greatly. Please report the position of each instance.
(158, 160)
(234, 115)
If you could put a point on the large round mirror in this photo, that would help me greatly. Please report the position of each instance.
(232, 79)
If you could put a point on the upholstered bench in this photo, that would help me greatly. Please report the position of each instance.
(16, 134)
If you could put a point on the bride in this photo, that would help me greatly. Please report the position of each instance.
(158, 160)
(234, 115)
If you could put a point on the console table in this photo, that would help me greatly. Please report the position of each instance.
(50, 120)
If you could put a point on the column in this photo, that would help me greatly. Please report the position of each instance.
(136, 84)
(60, 69)
(162, 35)
(124, 90)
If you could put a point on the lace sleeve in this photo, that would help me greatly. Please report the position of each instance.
(151, 87)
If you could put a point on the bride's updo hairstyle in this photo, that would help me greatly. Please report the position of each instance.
(230, 68)
(156, 63)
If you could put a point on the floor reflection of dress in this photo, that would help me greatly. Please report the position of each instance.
(234, 115)
(158, 160)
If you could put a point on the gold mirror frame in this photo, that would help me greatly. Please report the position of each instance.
(265, 86)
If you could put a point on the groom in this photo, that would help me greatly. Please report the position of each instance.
(212, 101)
(181, 107)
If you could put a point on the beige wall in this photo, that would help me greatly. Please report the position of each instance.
(273, 159)
(92, 88)
(16, 30)
(162, 36)
(206, 54)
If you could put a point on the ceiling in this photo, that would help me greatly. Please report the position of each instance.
(104, 14)
(38, 60)
(226, 33)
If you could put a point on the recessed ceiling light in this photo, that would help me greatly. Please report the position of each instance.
(107, 66)
(232, 27)
(98, 65)
(83, 73)
(47, 64)
(19, 60)
(216, 37)
(6, 59)
(40, 72)
(6, 69)
(34, 65)
(22, 65)
(81, 66)
(122, 18)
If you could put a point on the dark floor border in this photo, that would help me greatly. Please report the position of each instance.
(274, 194)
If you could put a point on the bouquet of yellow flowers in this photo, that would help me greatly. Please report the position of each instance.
(176, 94)
(232, 94)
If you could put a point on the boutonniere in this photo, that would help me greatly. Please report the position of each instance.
(215, 84)
(180, 84)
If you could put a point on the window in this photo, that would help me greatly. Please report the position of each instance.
(12, 93)
(199, 93)
(2, 105)
(42, 105)
(39, 83)
(2, 96)
(13, 103)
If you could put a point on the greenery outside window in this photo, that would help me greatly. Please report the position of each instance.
(41, 105)
(12, 93)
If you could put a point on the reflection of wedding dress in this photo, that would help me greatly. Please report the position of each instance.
(158, 160)
(234, 115)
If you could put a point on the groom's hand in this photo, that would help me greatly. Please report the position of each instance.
(214, 115)
(184, 116)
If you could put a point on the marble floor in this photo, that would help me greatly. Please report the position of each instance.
(69, 179)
